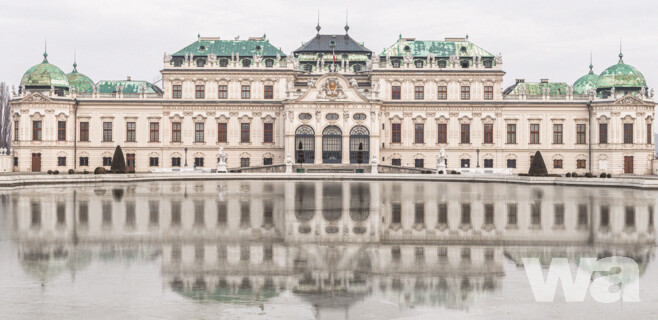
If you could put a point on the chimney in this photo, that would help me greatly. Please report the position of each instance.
(544, 80)
(128, 78)
(520, 80)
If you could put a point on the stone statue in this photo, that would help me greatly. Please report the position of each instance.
(354, 83)
(278, 57)
(221, 161)
(591, 92)
(498, 59)
(408, 59)
(388, 58)
(430, 60)
(651, 93)
(311, 82)
(569, 90)
(317, 64)
(288, 163)
(257, 59)
(374, 164)
(167, 59)
(612, 92)
(13, 90)
(369, 64)
(643, 92)
(441, 162)
(454, 60)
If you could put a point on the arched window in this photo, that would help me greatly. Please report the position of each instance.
(419, 63)
(308, 67)
(269, 63)
(246, 63)
(332, 145)
(177, 62)
(332, 200)
(359, 201)
(223, 63)
(357, 67)
(464, 63)
(442, 64)
(304, 201)
(395, 63)
(200, 62)
(359, 144)
(305, 138)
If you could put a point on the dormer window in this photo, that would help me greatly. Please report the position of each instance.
(357, 68)
(345, 56)
(463, 50)
(258, 48)
(407, 49)
(200, 62)
(177, 62)
(488, 63)
(246, 63)
(308, 67)
(442, 63)
(269, 63)
(202, 48)
(223, 63)
(419, 63)
(464, 63)
(396, 63)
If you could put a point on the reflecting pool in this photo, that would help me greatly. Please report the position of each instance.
(312, 249)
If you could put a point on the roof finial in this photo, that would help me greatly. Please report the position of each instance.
(347, 25)
(318, 26)
(466, 37)
(621, 55)
(75, 63)
(198, 36)
(45, 51)
(590, 63)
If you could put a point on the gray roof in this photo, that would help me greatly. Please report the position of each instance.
(320, 43)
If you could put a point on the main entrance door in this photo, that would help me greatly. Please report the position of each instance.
(628, 164)
(36, 162)
(332, 145)
(359, 145)
(130, 161)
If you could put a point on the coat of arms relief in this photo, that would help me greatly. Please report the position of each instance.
(332, 90)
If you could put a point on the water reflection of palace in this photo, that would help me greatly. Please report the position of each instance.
(332, 243)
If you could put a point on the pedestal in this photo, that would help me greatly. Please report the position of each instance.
(221, 167)
(441, 169)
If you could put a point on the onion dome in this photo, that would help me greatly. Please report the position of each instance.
(43, 76)
(586, 82)
(79, 81)
(621, 75)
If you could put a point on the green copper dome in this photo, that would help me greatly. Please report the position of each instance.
(79, 81)
(586, 82)
(621, 75)
(45, 75)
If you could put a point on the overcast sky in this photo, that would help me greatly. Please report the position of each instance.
(538, 39)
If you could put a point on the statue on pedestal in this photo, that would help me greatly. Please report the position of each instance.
(441, 163)
(288, 163)
(221, 162)
(374, 164)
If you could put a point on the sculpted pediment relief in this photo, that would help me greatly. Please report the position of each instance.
(332, 87)
(628, 99)
(36, 97)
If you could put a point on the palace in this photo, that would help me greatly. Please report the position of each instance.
(333, 103)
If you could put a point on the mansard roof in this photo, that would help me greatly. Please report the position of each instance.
(322, 43)
(129, 86)
(535, 88)
(225, 48)
(423, 48)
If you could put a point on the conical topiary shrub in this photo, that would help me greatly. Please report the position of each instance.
(300, 153)
(537, 167)
(118, 162)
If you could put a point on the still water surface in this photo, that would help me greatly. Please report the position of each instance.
(311, 250)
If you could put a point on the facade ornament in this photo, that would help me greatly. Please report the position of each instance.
(591, 92)
(278, 57)
(430, 60)
(498, 59)
(212, 59)
(332, 89)
(375, 90)
(13, 90)
(311, 82)
(167, 59)
(317, 64)
(354, 83)
(408, 59)
(368, 64)
(612, 92)
(569, 90)
(651, 93)
(643, 92)
(454, 60)
(257, 59)
(388, 59)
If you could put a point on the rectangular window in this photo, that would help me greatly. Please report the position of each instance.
(200, 92)
(16, 130)
(246, 92)
(419, 133)
(131, 131)
(107, 131)
(442, 93)
(396, 162)
(154, 161)
(582, 214)
(198, 132)
(155, 132)
(177, 91)
(222, 135)
(466, 93)
(559, 214)
(175, 162)
(268, 132)
(396, 92)
(603, 133)
(36, 130)
(466, 213)
(511, 133)
(83, 213)
(61, 213)
(175, 213)
(511, 163)
(605, 216)
(581, 134)
(488, 133)
(222, 91)
(581, 164)
(244, 132)
(443, 213)
(534, 133)
(267, 161)
(557, 163)
(84, 161)
(628, 133)
(419, 163)
(466, 163)
(396, 133)
(511, 213)
(488, 92)
(442, 133)
(488, 163)
(396, 212)
(419, 213)
(61, 161)
(107, 161)
(535, 213)
(175, 132)
(269, 92)
(466, 133)
(488, 213)
(84, 131)
(198, 162)
(629, 216)
(244, 162)
(61, 130)
(419, 93)
(649, 133)
(557, 133)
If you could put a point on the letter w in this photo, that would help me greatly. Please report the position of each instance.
(544, 289)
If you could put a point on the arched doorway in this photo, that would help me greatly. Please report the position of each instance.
(306, 136)
(332, 145)
(359, 139)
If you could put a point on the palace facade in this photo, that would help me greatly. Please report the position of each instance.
(338, 104)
